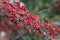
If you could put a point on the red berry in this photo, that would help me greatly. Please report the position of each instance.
(37, 33)
(19, 26)
(27, 28)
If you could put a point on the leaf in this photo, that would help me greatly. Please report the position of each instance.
(28, 38)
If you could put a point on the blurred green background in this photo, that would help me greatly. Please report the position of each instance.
(43, 8)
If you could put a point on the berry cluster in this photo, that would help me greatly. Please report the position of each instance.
(13, 16)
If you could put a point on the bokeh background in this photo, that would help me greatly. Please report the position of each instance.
(43, 8)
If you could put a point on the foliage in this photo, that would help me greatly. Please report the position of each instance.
(43, 8)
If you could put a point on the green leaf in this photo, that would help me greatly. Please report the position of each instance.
(35, 38)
